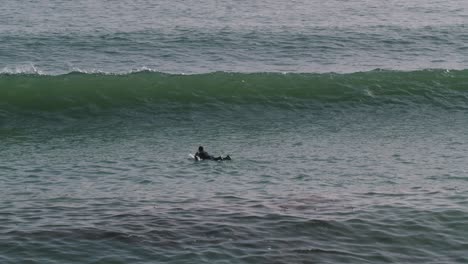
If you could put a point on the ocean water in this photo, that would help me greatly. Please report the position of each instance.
(346, 122)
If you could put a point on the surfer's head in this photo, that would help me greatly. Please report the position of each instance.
(200, 148)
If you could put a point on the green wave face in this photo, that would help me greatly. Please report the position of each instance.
(75, 91)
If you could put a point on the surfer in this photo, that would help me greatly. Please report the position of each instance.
(203, 155)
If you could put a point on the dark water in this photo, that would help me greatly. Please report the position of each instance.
(348, 145)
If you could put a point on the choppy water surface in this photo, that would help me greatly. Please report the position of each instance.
(372, 172)
(359, 166)
(264, 35)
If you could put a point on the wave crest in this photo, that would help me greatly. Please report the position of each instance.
(76, 89)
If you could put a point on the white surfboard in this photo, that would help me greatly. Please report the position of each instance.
(193, 157)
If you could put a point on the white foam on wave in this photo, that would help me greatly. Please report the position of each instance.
(30, 68)
(22, 69)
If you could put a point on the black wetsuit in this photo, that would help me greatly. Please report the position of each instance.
(205, 156)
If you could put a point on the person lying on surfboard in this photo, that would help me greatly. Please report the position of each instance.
(203, 155)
